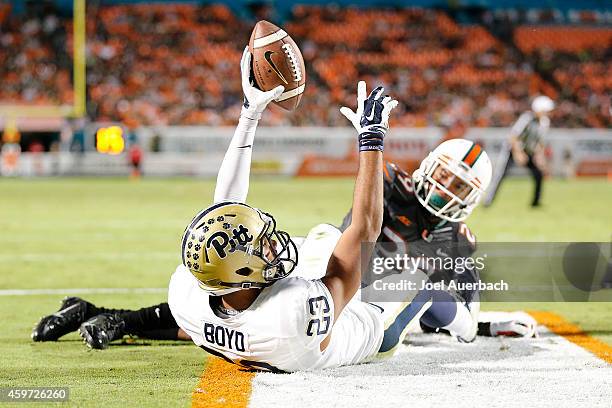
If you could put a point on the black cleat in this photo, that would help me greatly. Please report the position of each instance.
(428, 329)
(67, 319)
(100, 330)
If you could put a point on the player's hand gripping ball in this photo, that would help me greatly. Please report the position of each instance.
(255, 100)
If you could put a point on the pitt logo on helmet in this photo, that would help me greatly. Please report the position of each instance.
(232, 246)
(221, 239)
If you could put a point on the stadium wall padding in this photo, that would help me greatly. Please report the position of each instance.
(307, 151)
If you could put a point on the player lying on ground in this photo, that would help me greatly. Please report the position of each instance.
(424, 214)
(233, 295)
(426, 210)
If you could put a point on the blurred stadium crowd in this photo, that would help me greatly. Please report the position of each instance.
(177, 64)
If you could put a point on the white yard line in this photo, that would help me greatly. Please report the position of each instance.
(436, 371)
(80, 291)
(59, 257)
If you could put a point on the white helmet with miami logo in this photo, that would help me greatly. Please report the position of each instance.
(451, 180)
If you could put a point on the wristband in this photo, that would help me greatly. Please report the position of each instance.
(371, 141)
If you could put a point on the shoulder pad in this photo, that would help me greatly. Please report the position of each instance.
(397, 179)
(389, 171)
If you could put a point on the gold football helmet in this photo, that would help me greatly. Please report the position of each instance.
(232, 246)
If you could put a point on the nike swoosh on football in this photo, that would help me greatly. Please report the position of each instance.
(268, 58)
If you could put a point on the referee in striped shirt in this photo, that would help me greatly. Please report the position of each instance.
(525, 148)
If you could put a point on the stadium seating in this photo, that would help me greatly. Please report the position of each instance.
(29, 47)
(176, 64)
(440, 71)
(577, 60)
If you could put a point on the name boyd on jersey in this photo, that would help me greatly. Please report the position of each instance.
(225, 337)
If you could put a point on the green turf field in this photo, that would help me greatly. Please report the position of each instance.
(116, 233)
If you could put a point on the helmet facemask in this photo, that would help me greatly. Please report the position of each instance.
(446, 189)
(276, 249)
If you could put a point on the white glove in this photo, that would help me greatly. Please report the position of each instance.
(372, 116)
(521, 327)
(255, 100)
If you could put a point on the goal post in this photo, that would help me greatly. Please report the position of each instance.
(77, 108)
(79, 63)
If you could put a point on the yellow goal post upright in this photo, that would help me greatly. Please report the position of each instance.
(10, 112)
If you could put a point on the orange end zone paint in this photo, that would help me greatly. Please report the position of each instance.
(573, 333)
(222, 385)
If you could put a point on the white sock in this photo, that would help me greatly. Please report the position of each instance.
(463, 325)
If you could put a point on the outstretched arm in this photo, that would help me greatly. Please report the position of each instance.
(233, 177)
(343, 275)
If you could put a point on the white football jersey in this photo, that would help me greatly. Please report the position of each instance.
(282, 330)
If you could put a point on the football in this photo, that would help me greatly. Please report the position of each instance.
(277, 60)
